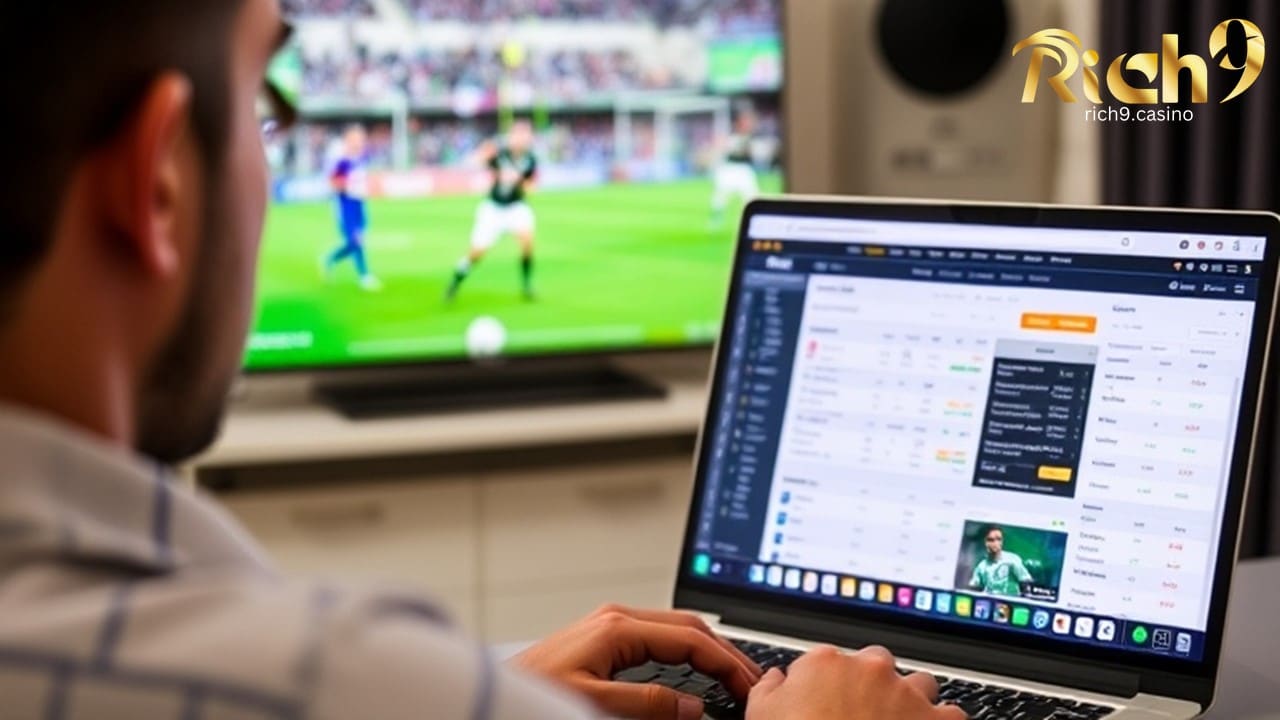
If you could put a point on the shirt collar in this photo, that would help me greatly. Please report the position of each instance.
(67, 496)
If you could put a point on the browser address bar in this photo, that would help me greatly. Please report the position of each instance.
(1000, 237)
(934, 235)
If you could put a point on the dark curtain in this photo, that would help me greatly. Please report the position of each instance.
(1228, 156)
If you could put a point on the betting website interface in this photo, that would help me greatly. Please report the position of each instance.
(1023, 428)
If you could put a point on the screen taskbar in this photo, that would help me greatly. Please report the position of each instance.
(974, 608)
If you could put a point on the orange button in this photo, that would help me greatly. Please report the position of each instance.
(1055, 474)
(1060, 323)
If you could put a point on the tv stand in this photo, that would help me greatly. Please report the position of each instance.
(484, 388)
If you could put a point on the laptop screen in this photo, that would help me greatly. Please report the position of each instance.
(1025, 429)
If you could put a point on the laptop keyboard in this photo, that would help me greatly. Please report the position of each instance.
(981, 702)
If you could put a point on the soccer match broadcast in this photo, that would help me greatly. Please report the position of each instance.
(1011, 561)
(478, 178)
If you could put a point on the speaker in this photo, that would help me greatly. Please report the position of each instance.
(930, 100)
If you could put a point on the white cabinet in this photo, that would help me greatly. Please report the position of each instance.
(557, 525)
(415, 534)
(512, 554)
(557, 542)
(513, 616)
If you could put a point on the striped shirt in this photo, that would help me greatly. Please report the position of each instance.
(125, 596)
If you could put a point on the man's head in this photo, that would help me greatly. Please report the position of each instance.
(994, 539)
(520, 137)
(131, 211)
(354, 141)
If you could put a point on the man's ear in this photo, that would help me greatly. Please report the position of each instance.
(147, 172)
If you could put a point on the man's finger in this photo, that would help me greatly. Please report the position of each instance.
(925, 683)
(643, 702)
(643, 641)
(674, 617)
(771, 681)
(877, 661)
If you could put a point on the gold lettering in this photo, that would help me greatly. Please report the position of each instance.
(1146, 63)
(1255, 57)
(1163, 70)
(1092, 91)
(1063, 47)
(1171, 66)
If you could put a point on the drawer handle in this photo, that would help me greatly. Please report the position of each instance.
(606, 493)
(354, 516)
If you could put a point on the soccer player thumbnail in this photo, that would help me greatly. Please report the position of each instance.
(505, 211)
(736, 175)
(351, 190)
(1000, 572)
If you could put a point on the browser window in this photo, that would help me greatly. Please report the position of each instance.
(1024, 428)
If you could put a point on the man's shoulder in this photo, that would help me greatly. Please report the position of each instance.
(259, 643)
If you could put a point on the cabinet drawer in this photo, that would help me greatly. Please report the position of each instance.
(510, 617)
(421, 535)
(603, 521)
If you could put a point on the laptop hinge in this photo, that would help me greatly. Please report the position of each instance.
(973, 655)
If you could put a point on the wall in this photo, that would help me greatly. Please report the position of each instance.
(817, 89)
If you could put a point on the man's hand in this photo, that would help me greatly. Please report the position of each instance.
(585, 656)
(826, 684)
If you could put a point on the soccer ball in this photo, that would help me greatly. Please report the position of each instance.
(486, 337)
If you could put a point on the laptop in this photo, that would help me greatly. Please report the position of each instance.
(1010, 443)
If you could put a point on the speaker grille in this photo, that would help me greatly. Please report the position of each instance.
(943, 47)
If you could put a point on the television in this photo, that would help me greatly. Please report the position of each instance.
(512, 178)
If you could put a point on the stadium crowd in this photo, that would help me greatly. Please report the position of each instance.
(432, 77)
(740, 15)
(476, 81)
(326, 8)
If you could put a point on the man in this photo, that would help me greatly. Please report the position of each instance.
(514, 170)
(1000, 572)
(128, 242)
(735, 178)
(351, 191)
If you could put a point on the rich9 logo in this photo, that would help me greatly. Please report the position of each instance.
(1066, 54)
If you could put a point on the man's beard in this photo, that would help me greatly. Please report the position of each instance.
(184, 395)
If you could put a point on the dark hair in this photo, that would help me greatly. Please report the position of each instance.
(990, 529)
(72, 72)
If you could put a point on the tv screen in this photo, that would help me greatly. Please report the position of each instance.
(477, 178)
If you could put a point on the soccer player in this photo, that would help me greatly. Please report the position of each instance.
(505, 211)
(351, 189)
(1000, 572)
(736, 175)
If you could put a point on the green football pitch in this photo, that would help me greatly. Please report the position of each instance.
(618, 266)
